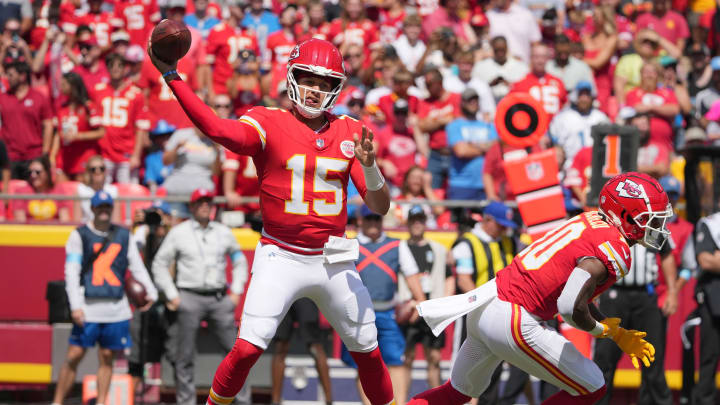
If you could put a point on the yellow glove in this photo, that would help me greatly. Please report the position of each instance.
(610, 328)
(632, 343)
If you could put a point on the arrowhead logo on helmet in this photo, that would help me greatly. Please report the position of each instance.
(630, 189)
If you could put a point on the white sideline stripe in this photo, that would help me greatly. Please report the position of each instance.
(534, 195)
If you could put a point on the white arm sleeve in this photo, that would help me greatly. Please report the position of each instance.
(566, 301)
(463, 258)
(73, 266)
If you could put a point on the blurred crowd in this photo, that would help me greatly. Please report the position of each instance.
(82, 108)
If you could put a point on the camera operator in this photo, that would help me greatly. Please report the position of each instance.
(148, 330)
(12, 46)
(244, 86)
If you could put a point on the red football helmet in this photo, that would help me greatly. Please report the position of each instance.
(638, 206)
(320, 58)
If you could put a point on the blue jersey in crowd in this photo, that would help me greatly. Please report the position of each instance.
(467, 173)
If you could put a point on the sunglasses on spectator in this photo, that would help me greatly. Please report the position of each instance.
(650, 42)
(353, 56)
(222, 106)
(38, 172)
(97, 169)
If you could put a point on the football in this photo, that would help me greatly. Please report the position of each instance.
(404, 311)
(170, 40)
(135, 292)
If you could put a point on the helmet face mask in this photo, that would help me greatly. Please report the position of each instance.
(654, 226)
(328, 98)
(319, 58)
(638, 207)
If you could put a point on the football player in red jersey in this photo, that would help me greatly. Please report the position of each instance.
(559, 273)
(304, 160)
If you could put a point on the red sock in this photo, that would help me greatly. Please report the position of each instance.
(445, 394)
(232, 372)
(374, 377)
(563, 398)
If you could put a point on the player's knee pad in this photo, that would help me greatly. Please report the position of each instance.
(364, 340)
(258, 330)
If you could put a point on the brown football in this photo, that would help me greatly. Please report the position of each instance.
(404, 311)
(135, 292)
(170, 40)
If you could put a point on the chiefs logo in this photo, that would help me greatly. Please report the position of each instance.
(295, 53)
(630, 189)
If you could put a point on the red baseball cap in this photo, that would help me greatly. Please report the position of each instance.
(478, 18)
(201, 193)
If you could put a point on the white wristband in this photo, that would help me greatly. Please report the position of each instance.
(598, 330)
(374, 180)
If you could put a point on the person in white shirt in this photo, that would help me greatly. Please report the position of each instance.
(94, 281)
(517, 24)
(500, 71)
(571, 127)
(408, 46)
(464, 80)
(568, 68)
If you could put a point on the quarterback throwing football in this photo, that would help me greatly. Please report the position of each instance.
(304, 159)
(558, 274)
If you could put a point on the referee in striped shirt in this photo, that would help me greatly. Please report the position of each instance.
(634, 300)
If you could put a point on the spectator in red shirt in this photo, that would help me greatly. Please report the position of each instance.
(401, 82)
(601, 45)
(78, 123)
(100, 22)
(225, 42)
(353, 28)
(542, 86)
(659, 102)
(244, 85)
(89, 65)
(669, 24)
(40, 182)
(280, 44)
(397, 151)
(436, 111)
(26, 118)
(314, 23)
(653, 157)
(137, 17)
(125, 118)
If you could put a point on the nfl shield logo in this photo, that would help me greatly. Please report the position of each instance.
(534, 171)
(320, 142)
(472, 298)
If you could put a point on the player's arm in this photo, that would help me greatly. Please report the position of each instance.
(376, 193)
(234, 135)
(573, 303)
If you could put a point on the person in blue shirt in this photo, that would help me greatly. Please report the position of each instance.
(155, 170)
(200, 20)
(263, 23)
(469, 139)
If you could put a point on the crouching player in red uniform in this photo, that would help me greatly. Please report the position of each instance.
(559, 273)
(304, 160)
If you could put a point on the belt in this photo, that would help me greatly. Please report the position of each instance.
(631, 287)
(442, 151)
(207, 293)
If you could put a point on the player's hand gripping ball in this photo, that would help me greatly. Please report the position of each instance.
(170, 40)
(136, 292)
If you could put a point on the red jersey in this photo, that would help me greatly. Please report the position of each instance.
(41, 210)
(438, 108)
(224, 43)
(390, 27)
(82, 119)
(363, 33)
(578, 175)
(386, 104)
(246, 181)
(123, 113)
(303, 176)
(398, 148)
(280, 46)
(660, 128)
(321, 31)
(536, 277)
(101, 25)
(161, 101)
(549, 90)
(138, 17)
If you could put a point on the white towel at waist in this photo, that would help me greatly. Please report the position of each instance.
(441, 312)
